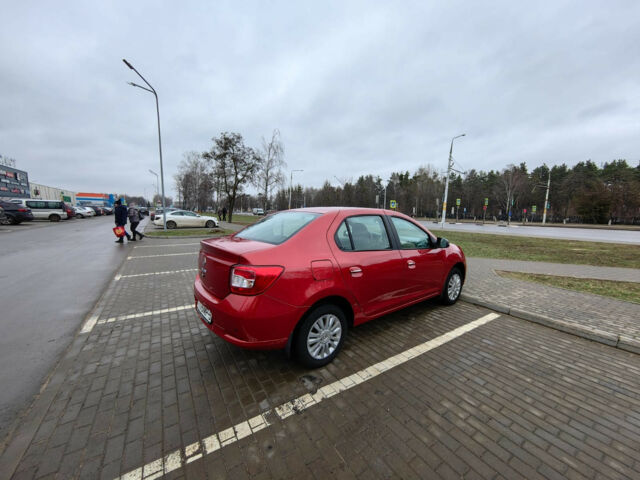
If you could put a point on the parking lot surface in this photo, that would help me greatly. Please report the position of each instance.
(429, 392)
(52, 275)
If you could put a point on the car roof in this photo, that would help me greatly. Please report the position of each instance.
(351, 210)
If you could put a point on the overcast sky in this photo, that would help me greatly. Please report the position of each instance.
(354, 87)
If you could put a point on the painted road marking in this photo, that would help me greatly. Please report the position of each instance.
(89, 324)
(163, 255)
(118, 277)
(159, 246)
(212, 443)
(94, 320)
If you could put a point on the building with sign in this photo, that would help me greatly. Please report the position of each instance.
(52, 193)
(14, 183)
(103, 199)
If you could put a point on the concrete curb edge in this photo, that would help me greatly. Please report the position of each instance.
(622, 342)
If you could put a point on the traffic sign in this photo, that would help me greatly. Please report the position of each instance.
(533, 209)
(486, 202)
(484, 207)
(393, 204)
(457, 202)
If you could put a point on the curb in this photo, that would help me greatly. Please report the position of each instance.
(622, 342)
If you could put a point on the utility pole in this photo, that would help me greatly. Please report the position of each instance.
(546, 199)
(446, 186)
(291, 185)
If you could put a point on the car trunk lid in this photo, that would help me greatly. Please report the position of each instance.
(218, 255)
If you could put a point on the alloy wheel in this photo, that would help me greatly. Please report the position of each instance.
(324, 336)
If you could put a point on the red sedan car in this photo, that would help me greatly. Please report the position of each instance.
(300, 278)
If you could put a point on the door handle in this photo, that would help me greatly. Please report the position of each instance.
(355, 271)
(411, 264)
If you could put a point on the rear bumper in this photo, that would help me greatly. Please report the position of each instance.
(253, 322)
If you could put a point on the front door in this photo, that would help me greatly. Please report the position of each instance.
(424, 263)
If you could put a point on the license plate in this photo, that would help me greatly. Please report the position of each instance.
(204, 312)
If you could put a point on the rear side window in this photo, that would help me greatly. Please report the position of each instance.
(55, 205)
(277, 228)
(411, 237)
(36, 204)
(362, 233)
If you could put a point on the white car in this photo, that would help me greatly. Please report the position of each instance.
(184, 218)
(84, 212)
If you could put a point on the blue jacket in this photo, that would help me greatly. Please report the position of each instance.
(120, 213)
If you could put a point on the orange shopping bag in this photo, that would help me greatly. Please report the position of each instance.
(119, 231)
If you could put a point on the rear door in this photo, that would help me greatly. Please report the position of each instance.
(369, 265)
(192, 220)
(37, 208)
(424, 262)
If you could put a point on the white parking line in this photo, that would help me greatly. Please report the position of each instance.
(118, 277)
(212, 443)
(93, 321)
(89, 324)
(158, 246)
(163, 255)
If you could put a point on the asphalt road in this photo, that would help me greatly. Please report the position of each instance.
(564, 233)
(51, 276)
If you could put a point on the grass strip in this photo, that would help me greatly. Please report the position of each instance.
(545, 249)
(190, 232)
(627, 291)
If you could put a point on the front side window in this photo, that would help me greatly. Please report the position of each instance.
(362, 233)
(277, 228)
(411, 237)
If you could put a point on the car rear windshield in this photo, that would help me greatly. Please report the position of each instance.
(277, 228)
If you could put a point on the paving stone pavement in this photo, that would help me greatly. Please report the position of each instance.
(604, 319)
(511, 399)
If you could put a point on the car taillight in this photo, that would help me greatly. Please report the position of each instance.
(252, 280)
(23, 210)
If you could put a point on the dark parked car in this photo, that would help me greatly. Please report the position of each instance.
(70, 211)
(3, 217)
(16, 213)
(107, 210)
(96, 208)
(300, 279)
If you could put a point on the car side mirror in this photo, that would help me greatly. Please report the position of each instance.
(442, 242)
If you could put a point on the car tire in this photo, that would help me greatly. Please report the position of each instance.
(210, 224)
(54, 218)
(171, 224)
(452, 287)
(320, 336)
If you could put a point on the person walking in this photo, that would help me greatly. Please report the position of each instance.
(120, 212)
(134, 220)
(224, 214)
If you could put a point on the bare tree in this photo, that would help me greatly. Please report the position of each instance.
(194, 183)
(510, 186)
(269, 173)
(233, 164)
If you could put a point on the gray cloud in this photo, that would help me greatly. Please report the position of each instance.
(354, 87)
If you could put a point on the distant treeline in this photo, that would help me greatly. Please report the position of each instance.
(585, 193)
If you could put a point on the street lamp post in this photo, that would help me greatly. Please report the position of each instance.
(291, 185)
(446, 186)
(546, 199)
(152, 90)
